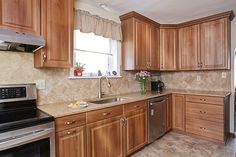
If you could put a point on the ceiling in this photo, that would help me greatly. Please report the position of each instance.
(169, 11)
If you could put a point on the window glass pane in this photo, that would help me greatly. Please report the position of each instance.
(96, 52)
(93, 61)
(91, 42)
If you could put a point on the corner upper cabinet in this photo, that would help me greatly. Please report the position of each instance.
(215, 47)
(168, 48)
(189, 48)
(57, 26)
(140, 45)
(20, 15)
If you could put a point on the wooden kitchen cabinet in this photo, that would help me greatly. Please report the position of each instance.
(178, 112)
(105, 138)
(71, 143)
(71, 136)
(135, 126)
(140, 45)
(20, 15)
(57, 28)
(208, 117)
(168, 48)
(215, 47)
(189, 48)
(169, 113)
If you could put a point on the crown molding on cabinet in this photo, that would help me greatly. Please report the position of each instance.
(138, 16)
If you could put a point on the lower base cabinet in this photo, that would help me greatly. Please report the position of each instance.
(135, 128)
(71, 143)
(104, 138)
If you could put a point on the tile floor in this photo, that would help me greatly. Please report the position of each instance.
(178, 145)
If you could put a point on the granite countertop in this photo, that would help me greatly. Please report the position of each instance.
(62, 109)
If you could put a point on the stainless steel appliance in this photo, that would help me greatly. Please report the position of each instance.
(156, 118)
(25, 131)
(21, 42)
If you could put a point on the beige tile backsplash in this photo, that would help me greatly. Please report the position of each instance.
(19, 68)
(208, 80)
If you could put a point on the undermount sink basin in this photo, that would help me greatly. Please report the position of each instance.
(108, 100)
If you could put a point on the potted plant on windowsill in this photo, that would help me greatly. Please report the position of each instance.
(78, 69)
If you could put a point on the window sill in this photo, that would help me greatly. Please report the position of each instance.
(92, 77)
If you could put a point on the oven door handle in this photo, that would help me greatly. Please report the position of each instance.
(25, 138)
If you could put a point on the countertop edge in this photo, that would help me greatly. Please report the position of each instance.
(131, 100)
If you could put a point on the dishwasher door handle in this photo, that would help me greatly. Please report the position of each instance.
(153, 103)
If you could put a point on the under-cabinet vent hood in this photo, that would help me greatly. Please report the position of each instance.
(20, 42)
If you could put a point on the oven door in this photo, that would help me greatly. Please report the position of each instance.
(37, 141)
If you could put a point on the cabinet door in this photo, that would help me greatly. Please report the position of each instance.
(214, 44)
(135, 130)
(168, 49)
(178, 112)
(20, 15)
(57, 29)
(71, 143)
(141, 47)
(189, 48)
(169, 113)
(104, 138)
(153, 62)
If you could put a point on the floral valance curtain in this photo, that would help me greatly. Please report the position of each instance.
(88, 23)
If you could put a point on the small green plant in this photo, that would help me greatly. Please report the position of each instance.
(79, 66)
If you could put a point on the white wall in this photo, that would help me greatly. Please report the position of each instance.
(233, 47)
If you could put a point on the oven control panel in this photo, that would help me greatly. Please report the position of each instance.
(12, 92)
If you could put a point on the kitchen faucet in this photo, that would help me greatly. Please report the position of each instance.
(100, 93)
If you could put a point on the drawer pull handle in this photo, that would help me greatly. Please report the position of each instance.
(70, 122)
(106, 113)
(136, 106)
(202, 128)
(69, 132)
(203, 112)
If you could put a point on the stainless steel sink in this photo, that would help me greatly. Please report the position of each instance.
(108, 100)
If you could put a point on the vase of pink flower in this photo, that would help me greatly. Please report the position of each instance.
(142, 77)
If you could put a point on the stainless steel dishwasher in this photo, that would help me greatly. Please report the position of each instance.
(156, 118)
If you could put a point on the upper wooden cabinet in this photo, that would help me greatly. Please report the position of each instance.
(168, 48)
(204, 44)
(215, 49)
(189, 48)
(140, 45)
(57, 18)
(20, 15)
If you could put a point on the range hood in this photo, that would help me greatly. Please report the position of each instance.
(20, 42)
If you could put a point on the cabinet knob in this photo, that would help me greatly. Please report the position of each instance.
(70, 122)
(44, 57)
(69, 132)
(106, 113)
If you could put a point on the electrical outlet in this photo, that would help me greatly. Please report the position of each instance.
(198, 78)
(40, 84)
(223, 75)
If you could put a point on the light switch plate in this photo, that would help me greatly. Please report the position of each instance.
(41, 84)
(198, 78)
(223, 75)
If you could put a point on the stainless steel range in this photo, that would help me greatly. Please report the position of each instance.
(25, 131)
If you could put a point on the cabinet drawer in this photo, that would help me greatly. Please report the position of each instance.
(135, 106)
(205, 128)
(97, 115)
(213, 113)
(205, 99)
(68, 122)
